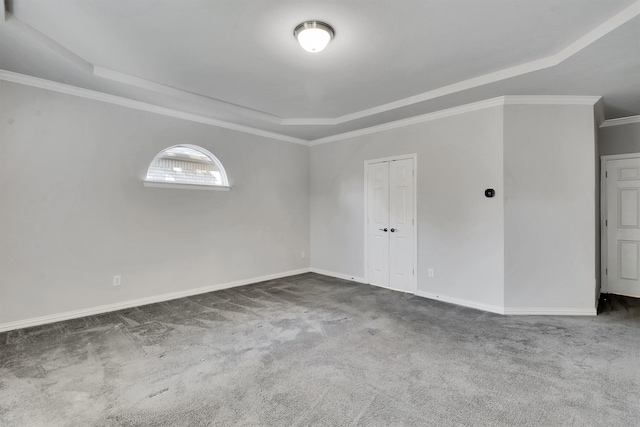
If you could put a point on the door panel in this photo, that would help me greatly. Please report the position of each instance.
(401, 221)
(377, 221)
(628, 260)
(380, 256)
(623, 226)
(628, 210)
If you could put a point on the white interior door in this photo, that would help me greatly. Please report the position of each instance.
(401, 224)
(378, 223)
(623, 226)
(391, 224)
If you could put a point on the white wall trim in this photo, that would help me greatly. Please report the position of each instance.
(618, 156)
(164, 111)
(391, 289)
(149, 85)
(550, 100)
(130, 80)
(454, 111)
(185, 186)
(620, 121)
(349, 277)
(465, 303)
(138, 105)
(531, 311)
(36, 321)
(550, 311)
(603, 229)
(462, 109)
(507, 73)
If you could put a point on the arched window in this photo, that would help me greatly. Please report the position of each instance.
(186, 166)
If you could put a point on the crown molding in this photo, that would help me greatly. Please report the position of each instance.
(130, 80)
(620, 121)
(507, 73)
(454, 111)
(149, 85)
(551, 100)
(138, 105)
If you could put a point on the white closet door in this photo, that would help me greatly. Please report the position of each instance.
(391, 224)
(623, 227)
(378, 223)
(401, 222)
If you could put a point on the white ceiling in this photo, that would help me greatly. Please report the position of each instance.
(237, 60)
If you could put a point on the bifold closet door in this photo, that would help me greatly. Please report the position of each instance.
(378, 223)
(391, 224)
(401, 222)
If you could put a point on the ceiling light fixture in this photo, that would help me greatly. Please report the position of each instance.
(313, 36)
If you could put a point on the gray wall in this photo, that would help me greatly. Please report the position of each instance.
(73, 210)
(460, 232)
(550, 242)
(530, 249)
(621, 139)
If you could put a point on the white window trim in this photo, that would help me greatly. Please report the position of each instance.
(186, 186)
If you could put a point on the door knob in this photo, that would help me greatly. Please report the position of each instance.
(383, 229)
(394, 229)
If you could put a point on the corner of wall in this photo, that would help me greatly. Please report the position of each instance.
(550, 251)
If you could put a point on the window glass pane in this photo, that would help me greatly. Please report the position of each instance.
(185, 165)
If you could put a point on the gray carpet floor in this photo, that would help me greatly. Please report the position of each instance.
(314, 350)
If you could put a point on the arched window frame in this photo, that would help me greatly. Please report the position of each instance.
(224, 186)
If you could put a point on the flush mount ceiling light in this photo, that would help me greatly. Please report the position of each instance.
(313, 36)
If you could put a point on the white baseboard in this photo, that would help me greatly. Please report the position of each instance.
(462, 302)
(338, 275)
(36, 321)
(520, 311)
(391, 289)
(551, 311)
(43, 320)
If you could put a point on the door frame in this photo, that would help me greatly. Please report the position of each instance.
(603, 216)
(413, 156)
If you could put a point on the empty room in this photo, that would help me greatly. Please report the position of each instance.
(336, 213)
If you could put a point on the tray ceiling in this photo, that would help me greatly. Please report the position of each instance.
(237, 61)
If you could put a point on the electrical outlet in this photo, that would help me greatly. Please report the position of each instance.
(117, 280)
(303, 254)
(431, 273)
